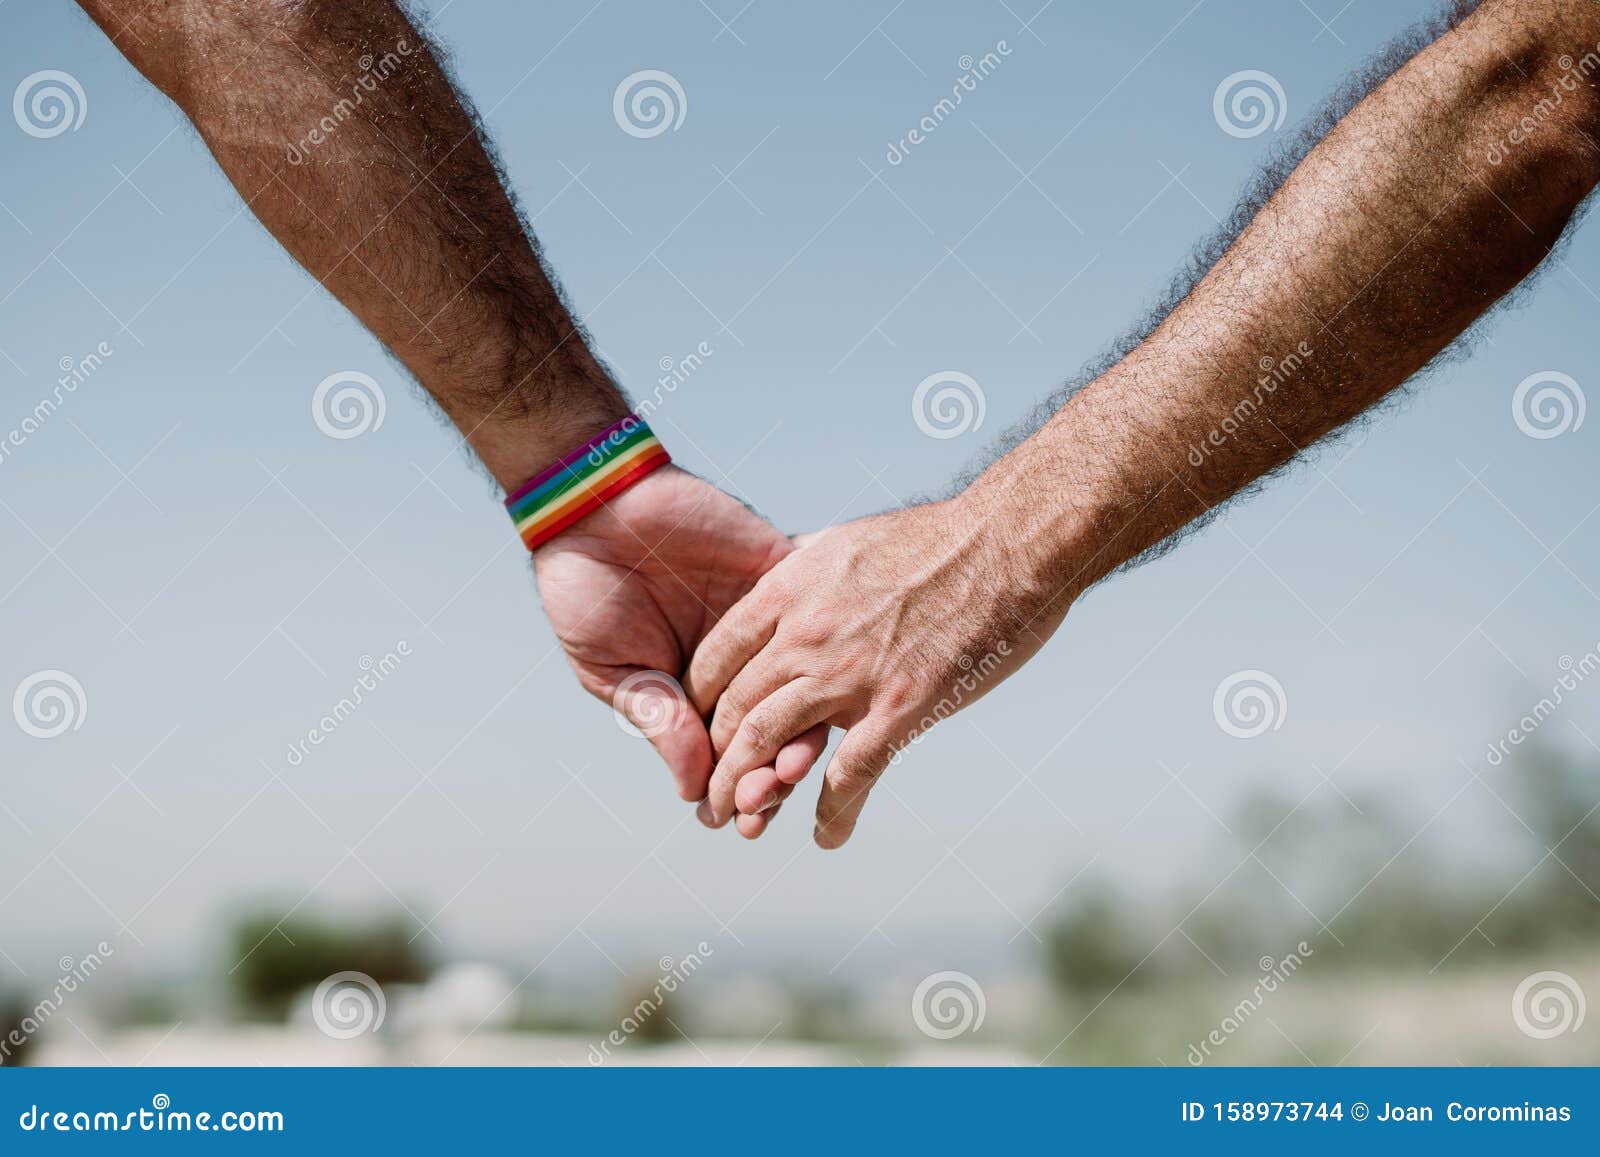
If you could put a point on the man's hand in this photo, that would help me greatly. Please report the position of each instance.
(1433, 197)
(401, 214)
(883, 627)
(633, 589)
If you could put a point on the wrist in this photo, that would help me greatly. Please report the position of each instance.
(1063, 504)
(516, 447)
(586, 478)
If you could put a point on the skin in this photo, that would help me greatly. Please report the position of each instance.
(400, 212)
(1387, 241)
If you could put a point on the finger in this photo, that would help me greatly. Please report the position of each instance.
(656, 706)
(769, 801)
(763, 674)
(799, 755)
(757, 789)
(855, 768)
(788, 712)
(751, 827)
(736, 638)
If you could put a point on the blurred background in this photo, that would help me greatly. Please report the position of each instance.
(1318, 788)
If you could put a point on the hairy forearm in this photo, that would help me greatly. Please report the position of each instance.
(1393, 235)
(336, 123)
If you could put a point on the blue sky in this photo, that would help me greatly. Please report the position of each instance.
(211, 568)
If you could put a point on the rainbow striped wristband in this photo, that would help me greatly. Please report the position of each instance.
(586, 479)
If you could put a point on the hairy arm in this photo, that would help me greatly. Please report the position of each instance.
(1422, 207)
(340, 129)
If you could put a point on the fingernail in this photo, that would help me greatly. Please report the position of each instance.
(704, 814)
(771, 801)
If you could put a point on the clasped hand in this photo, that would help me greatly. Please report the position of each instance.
(881, 627)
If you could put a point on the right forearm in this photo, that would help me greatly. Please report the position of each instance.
(1392, 236)
(339, 128)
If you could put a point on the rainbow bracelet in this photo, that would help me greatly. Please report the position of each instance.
(583, 481)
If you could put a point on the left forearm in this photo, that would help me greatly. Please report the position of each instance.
(340, 129)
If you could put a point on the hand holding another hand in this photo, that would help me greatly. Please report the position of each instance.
(634, 588)
(883, 627)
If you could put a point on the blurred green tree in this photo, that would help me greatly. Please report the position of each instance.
(281, 957)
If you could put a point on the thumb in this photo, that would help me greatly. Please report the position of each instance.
(653, 704)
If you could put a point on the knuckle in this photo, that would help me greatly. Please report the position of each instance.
(732, 709)
(855, 777)
(898, 696)
(808, 629)
(758, 728)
